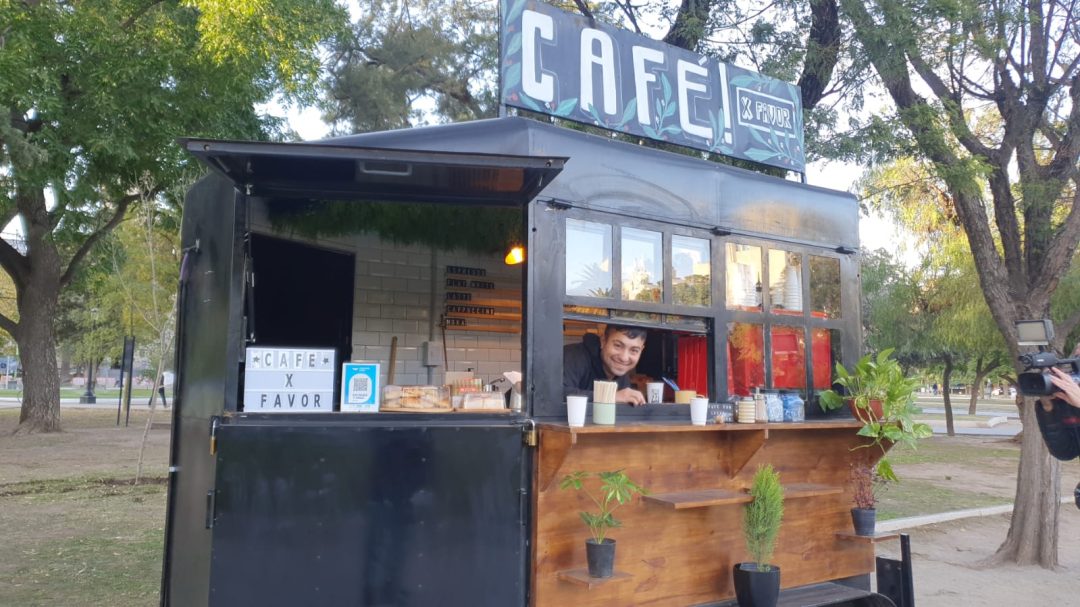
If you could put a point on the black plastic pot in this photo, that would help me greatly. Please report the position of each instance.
(863, 519)
(601, 557)
(755, 588)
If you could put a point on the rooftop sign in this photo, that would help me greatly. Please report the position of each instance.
(556, 63)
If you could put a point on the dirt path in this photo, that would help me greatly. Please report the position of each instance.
(949, 570)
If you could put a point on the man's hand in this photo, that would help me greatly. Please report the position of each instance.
(1070, 392)
(630, 395)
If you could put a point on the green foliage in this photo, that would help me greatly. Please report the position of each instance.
(95, 95)
(762, 516)
(488, 230)
(401, 56)
(880, 379)
(616, 489)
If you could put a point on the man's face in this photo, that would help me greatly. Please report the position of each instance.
(620, 353)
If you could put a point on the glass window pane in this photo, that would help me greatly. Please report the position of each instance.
(690, 271)
(785, 282)
(826, 349)
(745, 358)
(825, 287)
(642, 265)
(588, 259)
(743, 277)
(789, 357)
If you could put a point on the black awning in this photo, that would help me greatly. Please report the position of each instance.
(320, 171)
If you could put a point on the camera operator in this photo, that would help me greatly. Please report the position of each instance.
(1069, 391)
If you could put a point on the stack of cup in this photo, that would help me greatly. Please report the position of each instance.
(744, 412)
(604, 402)
(575, 410)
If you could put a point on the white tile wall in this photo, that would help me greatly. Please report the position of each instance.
(394, 296)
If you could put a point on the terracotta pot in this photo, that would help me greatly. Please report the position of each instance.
(875, 410)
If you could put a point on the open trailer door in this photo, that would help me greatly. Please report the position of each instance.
(339, 508)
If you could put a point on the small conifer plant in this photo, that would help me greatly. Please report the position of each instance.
(761, 520)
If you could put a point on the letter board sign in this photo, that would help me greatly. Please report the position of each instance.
(289, 380)
(555, 63)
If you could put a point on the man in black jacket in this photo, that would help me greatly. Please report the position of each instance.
(610, 357)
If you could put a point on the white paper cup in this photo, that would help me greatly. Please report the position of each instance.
(654, 392)
(575, 410)
(699, 410)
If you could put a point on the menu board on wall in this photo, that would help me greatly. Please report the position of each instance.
(477, 301)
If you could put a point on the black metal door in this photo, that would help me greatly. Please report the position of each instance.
(374, 515)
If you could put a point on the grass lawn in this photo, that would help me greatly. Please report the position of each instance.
(100, 393)
(75, 530)
(950, 473)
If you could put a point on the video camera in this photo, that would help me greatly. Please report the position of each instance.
(1060, 426)
(1036, 380)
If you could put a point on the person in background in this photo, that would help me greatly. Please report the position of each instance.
(610, 357)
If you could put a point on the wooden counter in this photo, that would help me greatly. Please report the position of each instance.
(677, 546)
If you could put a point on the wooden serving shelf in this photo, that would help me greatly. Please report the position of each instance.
(883, 536)
(581, 577)
(705, 498)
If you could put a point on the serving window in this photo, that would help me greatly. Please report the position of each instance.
(676, 347)
(779, 305)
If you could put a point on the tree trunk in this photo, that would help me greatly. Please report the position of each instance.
(980, 374)
(1033, 533)
(36, 331)
(36, 336)
(946, 381)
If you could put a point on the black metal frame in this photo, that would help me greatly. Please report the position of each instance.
(550, 277)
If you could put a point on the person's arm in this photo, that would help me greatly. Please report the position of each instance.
(631, 396)
(1069, 391)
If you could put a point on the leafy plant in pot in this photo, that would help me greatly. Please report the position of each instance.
(757, 583)
(883, 399)
(865, 483)
(616, 489)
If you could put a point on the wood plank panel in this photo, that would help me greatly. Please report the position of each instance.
(685, 556)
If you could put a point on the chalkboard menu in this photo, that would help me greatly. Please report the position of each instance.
(477, 301)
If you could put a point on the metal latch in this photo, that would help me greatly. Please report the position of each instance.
(215, 422)
(528, 434)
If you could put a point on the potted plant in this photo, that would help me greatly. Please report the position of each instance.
(864, 482)
(616, 489)
(757, 583)
(883, 399)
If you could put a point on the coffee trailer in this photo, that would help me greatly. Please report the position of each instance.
(341, 302)
(314, 503)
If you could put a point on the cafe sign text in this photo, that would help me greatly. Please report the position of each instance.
(559, 64)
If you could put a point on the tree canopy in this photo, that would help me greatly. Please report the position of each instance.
(94, 96)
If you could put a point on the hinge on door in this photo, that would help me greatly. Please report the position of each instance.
(210, 509)
(528, 434)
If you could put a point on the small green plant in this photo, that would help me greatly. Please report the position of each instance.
(616, 489)
(761, 519)
(880, 379)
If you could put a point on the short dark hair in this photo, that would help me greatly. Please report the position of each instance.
(631, 332)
